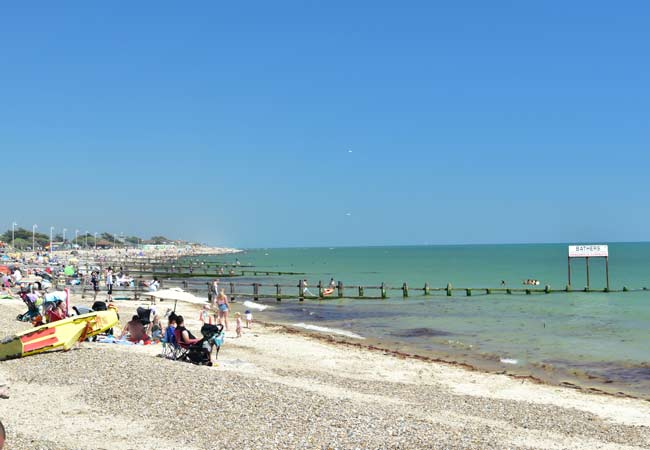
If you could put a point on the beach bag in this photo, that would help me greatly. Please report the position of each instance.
(218, 339)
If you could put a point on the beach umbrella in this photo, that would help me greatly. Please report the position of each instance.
(68, 271)
(176, 294)
(5, 270)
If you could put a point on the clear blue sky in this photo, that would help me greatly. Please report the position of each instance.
(232, 122)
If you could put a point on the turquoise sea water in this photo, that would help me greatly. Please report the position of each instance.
(598, 340)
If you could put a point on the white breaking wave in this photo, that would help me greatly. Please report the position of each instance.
(257, 306)
(328, 330)
(508, 361)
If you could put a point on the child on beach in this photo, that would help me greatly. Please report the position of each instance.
(249, 318)
(204, 315)
(238, 327)
(156, 328)
(170, 337)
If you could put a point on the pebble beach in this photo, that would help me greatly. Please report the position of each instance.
(277, 389)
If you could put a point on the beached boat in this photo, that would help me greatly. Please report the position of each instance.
(62, 334)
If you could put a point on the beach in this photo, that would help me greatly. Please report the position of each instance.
(276, 388)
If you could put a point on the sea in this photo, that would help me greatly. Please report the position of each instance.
(591, 340)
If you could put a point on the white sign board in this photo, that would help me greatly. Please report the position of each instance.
(588, 251)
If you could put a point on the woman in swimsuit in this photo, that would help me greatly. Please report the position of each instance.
(224, 306)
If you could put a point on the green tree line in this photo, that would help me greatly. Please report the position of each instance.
(23, 239)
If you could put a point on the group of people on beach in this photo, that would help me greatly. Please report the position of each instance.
(219, 310)
(10, 279)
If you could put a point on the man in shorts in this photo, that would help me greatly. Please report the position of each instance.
(109, 283)
(94, 280)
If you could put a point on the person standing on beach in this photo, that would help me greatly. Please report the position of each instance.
(109, 283)
(223, 306)
(94, 280)
(213, 294)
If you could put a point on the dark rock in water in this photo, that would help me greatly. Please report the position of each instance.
(420, 332)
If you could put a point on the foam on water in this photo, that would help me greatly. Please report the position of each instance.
(508, 361)
(256, 306)
(328, 330)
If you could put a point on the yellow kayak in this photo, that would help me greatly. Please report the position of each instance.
(60, 334)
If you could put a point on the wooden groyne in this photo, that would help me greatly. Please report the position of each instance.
(303, 291)
(187, 270)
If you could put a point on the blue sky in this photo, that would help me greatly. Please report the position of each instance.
(232, 122)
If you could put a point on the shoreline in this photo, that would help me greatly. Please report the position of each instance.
(277, 388)
(373, 345)
(540, 372)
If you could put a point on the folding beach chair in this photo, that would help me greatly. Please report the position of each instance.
(170, 348)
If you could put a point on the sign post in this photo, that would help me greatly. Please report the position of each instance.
(586, 252)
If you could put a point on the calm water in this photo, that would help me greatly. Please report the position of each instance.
(596, 339)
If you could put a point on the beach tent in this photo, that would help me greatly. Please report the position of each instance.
(176, 294)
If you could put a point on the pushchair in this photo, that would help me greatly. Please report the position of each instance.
(199, 352)
(36, 308)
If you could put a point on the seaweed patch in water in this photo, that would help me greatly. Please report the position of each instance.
(420, 332)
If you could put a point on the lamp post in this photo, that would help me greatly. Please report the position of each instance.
(64, 230)
(76, 235)
(87, 233)
(95, 240)
(51, 233)
(34, 237)
(13, 237)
